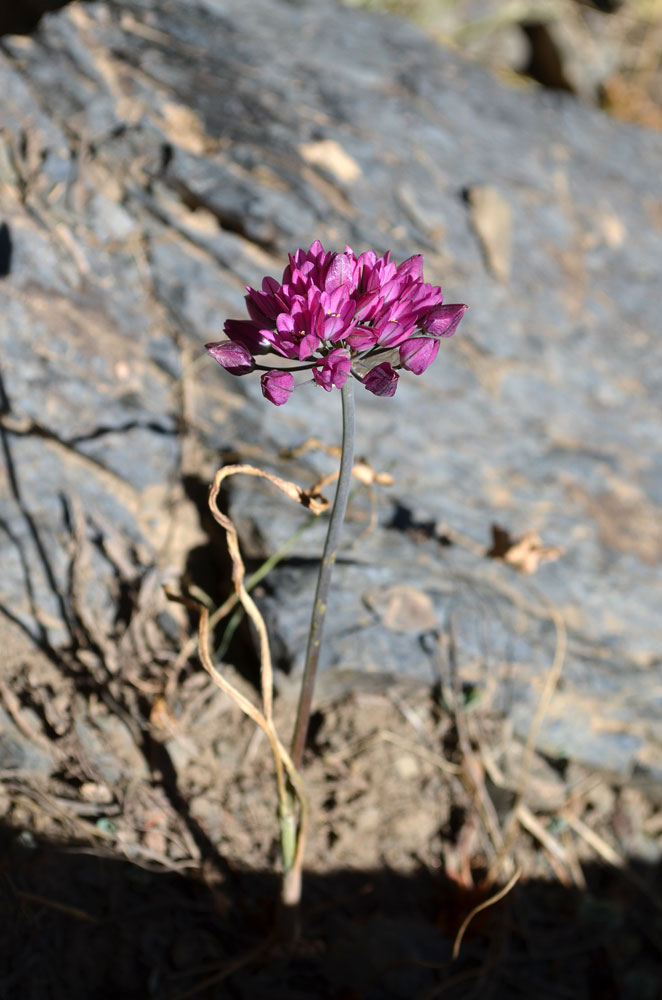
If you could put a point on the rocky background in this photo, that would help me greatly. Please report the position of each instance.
(606, 52)
(155, 158)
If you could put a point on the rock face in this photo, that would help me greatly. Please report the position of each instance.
(155, 157)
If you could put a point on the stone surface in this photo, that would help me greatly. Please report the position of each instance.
(157, 157)
(604, 51)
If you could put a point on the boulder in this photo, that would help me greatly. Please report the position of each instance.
(156, 158)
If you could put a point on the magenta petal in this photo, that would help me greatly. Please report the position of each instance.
(418, 353)
(341, 272)
(234, 357)
(394, 332)
(316, 251)
(382, 380)
(412, 267)
(442, 321)
(362, 337)
(277, 386)
(308, 346)
(264, 305)
(333, 370)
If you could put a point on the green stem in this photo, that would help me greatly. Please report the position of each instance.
(324, 574)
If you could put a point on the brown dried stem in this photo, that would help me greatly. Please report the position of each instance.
(293, 832)
(293, 829)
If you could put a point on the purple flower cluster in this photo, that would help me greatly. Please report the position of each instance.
(337, 314)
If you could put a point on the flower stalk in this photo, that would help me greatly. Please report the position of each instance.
(287, 819)
(324, 575)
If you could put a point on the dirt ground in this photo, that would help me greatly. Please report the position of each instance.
(144, 864)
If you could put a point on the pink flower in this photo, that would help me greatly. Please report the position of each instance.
(333, 370)
(277, 386)
(296, 334)
(332, 309)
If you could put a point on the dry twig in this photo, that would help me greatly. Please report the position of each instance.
(482, 906)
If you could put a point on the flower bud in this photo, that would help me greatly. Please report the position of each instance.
(382, 380)
(232, 356)
(277, 386)
(442, 321)
(418, 353)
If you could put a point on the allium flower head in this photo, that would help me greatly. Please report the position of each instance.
(339, 315)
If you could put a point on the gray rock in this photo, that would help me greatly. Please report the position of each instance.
(18, 754)
(158, 157)
(109, 750)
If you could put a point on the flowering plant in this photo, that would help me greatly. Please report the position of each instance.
(338, 315)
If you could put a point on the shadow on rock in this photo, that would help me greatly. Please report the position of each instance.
(209, 568)
(23, 17)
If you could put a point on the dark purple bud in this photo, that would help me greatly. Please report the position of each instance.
(248, 334)
(277, 386)
(382, 380)
(234, 357)
(418, 353)
(442, 321)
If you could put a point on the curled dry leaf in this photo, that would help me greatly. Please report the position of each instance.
(362, 469)
(365, 474)
(311, 444)
(262, 717)
(525, 553)
(309, 498)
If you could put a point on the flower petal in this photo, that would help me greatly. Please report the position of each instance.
(340, 273)
(362, 337)
(308, 345)
(412, 267)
